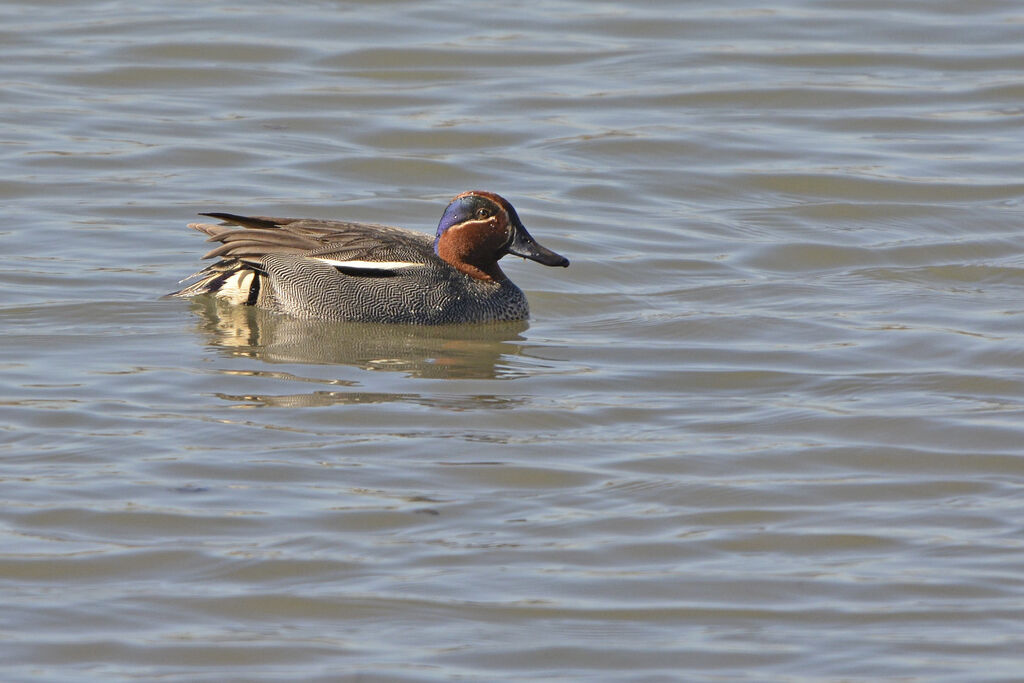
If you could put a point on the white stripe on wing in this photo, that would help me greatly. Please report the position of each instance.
(369, 265)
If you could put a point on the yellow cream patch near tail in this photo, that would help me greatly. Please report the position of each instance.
(236, 288)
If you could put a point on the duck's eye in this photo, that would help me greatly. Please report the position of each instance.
(483, 213)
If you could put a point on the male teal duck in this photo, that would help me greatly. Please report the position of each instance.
(361, 272)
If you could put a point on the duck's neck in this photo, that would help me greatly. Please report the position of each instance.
(491, 274)
(470, 249)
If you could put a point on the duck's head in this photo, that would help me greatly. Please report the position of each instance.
(478, 228)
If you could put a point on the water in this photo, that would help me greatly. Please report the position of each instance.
(767, 426)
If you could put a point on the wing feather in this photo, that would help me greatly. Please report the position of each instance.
(363, 248)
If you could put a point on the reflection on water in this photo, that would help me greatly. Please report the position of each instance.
(491, 351)
(321, 399)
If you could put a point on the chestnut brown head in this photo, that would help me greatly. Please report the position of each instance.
(478, 228)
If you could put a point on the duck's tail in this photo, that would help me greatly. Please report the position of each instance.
(232, 280)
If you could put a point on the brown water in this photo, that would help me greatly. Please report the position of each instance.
(768, 426)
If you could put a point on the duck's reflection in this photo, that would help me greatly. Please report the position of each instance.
(462, 351)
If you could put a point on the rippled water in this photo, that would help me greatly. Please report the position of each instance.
(768, 426)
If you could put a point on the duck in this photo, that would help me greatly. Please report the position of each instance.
(366, 272)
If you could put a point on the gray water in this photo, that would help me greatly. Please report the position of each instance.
(767, 426)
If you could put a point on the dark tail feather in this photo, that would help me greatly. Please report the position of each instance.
(255, 222)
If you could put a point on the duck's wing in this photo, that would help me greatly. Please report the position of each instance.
(355, 248)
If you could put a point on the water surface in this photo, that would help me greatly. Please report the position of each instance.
(767, 426)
